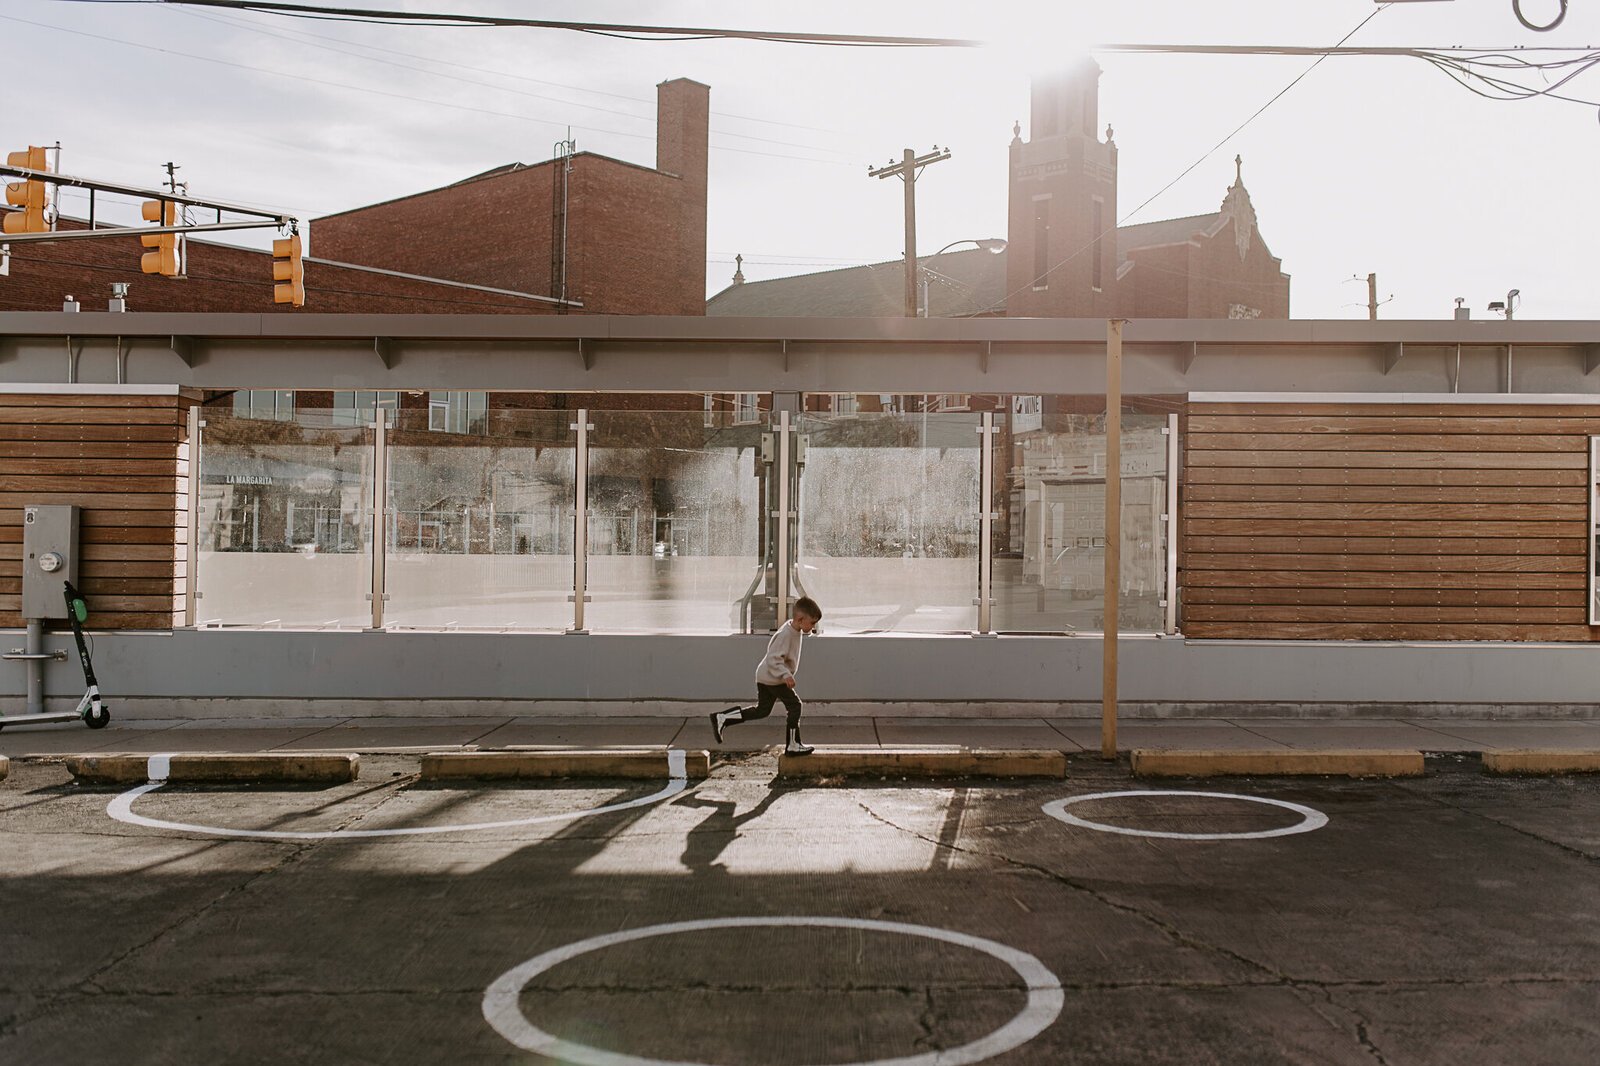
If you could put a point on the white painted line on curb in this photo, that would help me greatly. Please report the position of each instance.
(121, 809)
(1045, 995)
(1310, 819)
(160, 767)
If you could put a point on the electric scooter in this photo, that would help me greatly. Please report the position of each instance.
(91, 708)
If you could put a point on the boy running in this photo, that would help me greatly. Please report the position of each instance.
(775, 678)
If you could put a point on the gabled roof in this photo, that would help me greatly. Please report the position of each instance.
(1165, 231)
(965, 283)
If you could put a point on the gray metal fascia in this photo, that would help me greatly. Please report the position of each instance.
(1072, 331)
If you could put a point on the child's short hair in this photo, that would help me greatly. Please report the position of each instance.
(809, 606)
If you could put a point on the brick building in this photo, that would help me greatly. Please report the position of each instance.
(581, 233)
(617, 237)
(1065, 257)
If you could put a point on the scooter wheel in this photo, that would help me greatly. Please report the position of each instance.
(97, 716)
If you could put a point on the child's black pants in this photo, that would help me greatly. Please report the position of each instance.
(767, 695)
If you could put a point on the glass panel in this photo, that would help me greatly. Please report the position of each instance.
(285, 533)
(481, 529)
(889, 521)
(674, 521)
(1049, 541)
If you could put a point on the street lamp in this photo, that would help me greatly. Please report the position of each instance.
(992, 245)
(1509, 306)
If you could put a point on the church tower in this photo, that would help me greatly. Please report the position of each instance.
(1061, 260)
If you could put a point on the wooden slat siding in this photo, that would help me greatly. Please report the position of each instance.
(1202, 581)
(1385, 442)
(1471, 597)
(1386, 545)
(15, 451)
(67, 433)
(1387, 410)
(1407, 494)
(1388, 631)
(1384, 424)
(1459, 460)
(1486, 512)
(101, 553)
(1385, 521)
(1242, 475)
(1344, 564)
(124, 461)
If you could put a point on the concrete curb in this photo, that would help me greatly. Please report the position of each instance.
(522, 765)
(922, 762)
(5, 767)
(1541, 761)
(1358, 763)
(214, 768)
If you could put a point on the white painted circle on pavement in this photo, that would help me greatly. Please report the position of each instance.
(1309, 818)
(121, 809)
(1045, 996)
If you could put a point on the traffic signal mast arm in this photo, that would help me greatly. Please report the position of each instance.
(264, 219)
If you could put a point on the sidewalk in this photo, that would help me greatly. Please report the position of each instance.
(413, 734)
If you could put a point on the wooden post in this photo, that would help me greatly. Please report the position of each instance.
(1108, 690)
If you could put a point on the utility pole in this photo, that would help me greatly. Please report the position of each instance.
(1372, 297)
(906, 170)
(1113, 559)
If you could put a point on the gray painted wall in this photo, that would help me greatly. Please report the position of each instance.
(293, 673)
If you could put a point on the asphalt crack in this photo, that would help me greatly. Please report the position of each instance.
(1274, 977)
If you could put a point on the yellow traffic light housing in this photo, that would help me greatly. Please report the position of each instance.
(288, 272)
(164, 259)
(28, 195)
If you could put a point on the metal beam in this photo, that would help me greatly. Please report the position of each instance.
(134, 231)
(1392, 354)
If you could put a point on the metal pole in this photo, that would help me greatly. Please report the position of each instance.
(34, 645)
(986, 519)
(910, 176)
(380, 511)
(580, 523)
(783, 519)
(1172, 525)
(1108, 708)
(191, 562)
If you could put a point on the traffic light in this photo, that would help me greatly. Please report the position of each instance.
(27, 194)
(164, 260)
(288, 272)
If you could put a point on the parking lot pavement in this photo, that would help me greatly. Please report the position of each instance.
(1445, 919)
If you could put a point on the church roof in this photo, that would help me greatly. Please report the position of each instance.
(1166, 231)
(968, 282)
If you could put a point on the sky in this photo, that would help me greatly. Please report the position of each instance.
(1367, 165)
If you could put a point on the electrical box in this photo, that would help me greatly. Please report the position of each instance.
(49, 557)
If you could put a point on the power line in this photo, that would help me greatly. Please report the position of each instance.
(376, 92)
(635, 32)
(299, 37)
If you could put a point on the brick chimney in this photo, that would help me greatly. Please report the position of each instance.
(683, 118)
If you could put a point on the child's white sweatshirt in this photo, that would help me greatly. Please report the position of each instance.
(782, 658)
